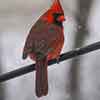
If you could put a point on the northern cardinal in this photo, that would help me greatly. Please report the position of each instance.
(44, 42)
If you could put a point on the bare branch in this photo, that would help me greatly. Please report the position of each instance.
(65, 56)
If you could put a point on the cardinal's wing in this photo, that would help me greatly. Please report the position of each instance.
(40, 37)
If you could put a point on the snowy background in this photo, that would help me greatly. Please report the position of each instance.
(16, 19)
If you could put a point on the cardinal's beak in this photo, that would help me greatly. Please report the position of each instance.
(61, 18)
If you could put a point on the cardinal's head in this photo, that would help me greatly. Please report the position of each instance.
(55, 13)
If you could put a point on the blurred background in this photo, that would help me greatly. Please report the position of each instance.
(75, 79)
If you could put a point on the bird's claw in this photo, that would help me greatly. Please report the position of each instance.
(57, 60)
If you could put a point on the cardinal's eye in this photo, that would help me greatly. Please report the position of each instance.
(59, 17)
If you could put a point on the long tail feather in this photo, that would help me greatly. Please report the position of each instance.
(41, 77)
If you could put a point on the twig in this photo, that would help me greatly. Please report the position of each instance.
(65, 56)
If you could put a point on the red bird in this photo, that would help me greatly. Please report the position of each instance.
(44, 42)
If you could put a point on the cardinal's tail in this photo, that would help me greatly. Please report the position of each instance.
(41, 77)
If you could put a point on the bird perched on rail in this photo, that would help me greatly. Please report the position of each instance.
(44, 42)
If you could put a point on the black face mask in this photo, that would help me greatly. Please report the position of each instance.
(56, 16)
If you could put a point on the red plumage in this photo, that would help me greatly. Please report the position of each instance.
(44, 42)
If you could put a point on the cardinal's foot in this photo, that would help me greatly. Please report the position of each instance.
(57, 60)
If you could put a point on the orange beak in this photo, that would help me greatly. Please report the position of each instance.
(61, 18)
